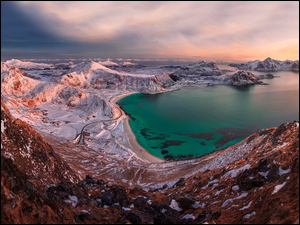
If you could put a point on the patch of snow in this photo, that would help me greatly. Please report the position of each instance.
(174, 205)
(189, 216)
(235, 187)
(213, 181)
(163, 210)
(227, 202)
(2, 126)
(126, 209)
(196, 205)
(73, 200)
(247, 206)
(242, 195)
(85, 211)
(247, 216)
(280, 146)
(281, 171)
(207, 196)
(218, 192)
(234, 173)
(265, 174)
(278, 187)
(215, 202)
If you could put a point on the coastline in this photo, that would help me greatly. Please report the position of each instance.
(141, 152)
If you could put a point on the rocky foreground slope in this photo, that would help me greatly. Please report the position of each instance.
(261, 186)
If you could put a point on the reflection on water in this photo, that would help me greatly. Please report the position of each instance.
(197, 120)
(151, 97)
(243, 88)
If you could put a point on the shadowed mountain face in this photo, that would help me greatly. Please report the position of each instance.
(262, 186)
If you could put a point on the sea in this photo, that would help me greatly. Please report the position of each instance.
(195, 121)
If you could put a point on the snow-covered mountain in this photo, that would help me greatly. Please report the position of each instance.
(241, 78)
(109, 63)
(268, 64)
(96, 76)
(28, 65)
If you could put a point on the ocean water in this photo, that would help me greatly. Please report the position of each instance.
(194, 121)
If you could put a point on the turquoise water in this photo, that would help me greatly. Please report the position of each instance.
(198, 120)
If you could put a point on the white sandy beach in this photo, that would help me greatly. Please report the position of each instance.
(136, 147)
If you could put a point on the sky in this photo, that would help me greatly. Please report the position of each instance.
(204, 30)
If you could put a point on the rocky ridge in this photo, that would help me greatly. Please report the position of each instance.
(268, 64)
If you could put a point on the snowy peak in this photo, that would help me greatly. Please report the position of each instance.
(268, 64)
(90, 67)
(109, 63)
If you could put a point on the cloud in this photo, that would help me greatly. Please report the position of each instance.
(171, 27)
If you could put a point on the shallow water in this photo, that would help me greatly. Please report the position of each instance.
(197, 120)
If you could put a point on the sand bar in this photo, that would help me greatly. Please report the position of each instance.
(141, 152)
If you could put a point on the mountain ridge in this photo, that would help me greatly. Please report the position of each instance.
(268, 64)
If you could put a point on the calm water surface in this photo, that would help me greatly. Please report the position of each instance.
(197, 120)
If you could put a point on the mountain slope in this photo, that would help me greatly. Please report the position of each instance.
(14, 81)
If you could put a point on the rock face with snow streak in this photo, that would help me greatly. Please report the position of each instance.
(201, 68)
(268, 64)
(96, 76)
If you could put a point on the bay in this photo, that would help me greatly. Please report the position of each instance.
(195, 121)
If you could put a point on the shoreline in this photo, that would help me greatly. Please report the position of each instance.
(140, 151)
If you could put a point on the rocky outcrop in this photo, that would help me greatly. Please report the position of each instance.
(268, 64)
